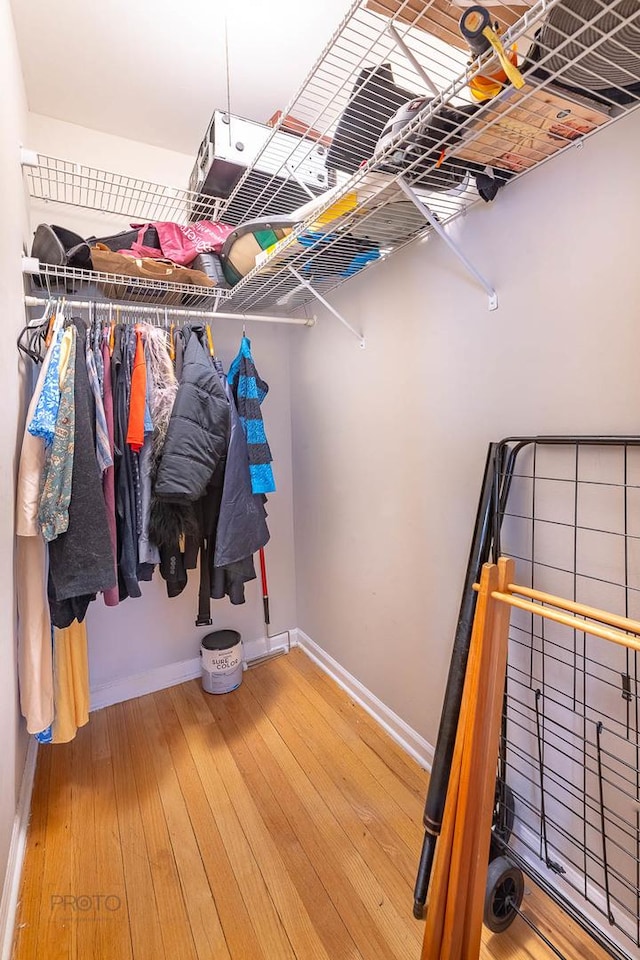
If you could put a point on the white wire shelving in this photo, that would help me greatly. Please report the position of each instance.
(77, 283)
(53, 180)
(584, 74)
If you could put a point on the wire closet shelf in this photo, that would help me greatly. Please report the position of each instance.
(75, 283)
(587, 78)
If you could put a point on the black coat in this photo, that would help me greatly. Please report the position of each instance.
(198, 432)
(124, 459)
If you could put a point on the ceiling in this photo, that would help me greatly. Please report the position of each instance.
(154, 70)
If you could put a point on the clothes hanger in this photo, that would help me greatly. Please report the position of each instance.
(171, 335)
(31, 338)
(212, 349)
(56, 321)
(52, 321)
(39, 321)
(94, 326)
(112, 330)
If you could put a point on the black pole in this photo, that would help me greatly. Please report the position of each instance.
(437, 792)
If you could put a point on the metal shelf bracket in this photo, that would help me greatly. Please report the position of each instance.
(29, 158)
(453, 246)
(325, 303)
(413, 60)
(30, 265)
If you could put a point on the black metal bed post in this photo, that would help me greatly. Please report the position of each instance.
(437, 792)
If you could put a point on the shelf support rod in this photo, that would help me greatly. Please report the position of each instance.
(325, 303)
(442, 233)
(293, 172)
(413, 60)
(171, 311)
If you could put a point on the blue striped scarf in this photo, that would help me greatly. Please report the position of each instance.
(249, 391)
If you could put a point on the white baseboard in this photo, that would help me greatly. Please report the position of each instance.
(404, 735)
(11, 888)
(158, 678)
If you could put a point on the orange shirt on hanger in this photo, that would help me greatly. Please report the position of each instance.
(135, 430)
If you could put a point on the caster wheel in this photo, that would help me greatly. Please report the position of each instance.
(505, 889)
(504, 813)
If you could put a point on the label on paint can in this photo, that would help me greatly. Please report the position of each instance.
(222, 669)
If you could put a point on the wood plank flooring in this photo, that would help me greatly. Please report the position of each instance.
(278, 822)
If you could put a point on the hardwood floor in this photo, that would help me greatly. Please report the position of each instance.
(278, 822)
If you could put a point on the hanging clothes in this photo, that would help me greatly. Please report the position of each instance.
(94, 343)
(71, 672)
(138, 397)
(125, 467)
(35, 656)
(112, 595)
(104, 455)
(168, 522)
(198, 431)
(249, 390)
(193, 454)
(231, 523)
(200, 548)
(53, 513)
(229, 581)
(43, 421)
(32, 460)
(81, 559)
(162, 387)
(242, 528)
(35, 659)
(126, 514)
(148, 552)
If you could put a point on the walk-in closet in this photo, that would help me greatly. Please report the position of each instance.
(320, 436)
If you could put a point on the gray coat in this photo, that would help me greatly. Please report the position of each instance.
(242, 526)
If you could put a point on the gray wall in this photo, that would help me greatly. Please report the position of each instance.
(389, 442)
(12, 229)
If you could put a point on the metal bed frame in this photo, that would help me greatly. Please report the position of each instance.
(567, 814)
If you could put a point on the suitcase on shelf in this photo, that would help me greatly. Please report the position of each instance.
(231, 145)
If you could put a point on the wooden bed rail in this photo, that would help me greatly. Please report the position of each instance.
(609, 626)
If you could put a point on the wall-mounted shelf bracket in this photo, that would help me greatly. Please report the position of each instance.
(28, 158)
(413, 60)
(442, 233)
(30, 265)
(325, 303)
(293, 172)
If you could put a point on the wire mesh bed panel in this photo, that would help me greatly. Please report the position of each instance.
(569, 781)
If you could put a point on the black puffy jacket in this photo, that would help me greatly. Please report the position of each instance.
(198, 433)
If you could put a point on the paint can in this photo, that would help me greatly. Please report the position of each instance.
(221, 653)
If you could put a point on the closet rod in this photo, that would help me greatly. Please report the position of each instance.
(171, 311)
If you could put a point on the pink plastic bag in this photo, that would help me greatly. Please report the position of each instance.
(138, 248)
(183, 242)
